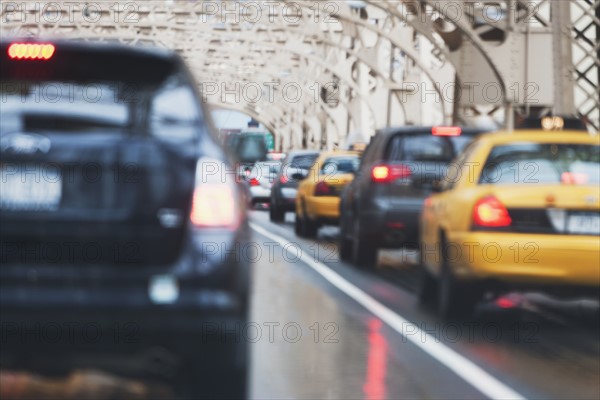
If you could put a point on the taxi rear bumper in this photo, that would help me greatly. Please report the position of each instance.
(525, 258)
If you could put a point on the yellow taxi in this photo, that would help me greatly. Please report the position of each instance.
(318, 198)
(516, 210)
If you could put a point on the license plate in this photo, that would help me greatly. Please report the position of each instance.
(584, 224)
(30, 188)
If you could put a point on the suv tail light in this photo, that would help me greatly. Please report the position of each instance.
(490, 212)
(388, 173)
(323, 189)
(215, 200)
(31, 51)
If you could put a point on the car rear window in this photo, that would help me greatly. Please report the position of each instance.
(304, 161)
(425, 148)
(340, 165)
(90, 89)
(542, 163)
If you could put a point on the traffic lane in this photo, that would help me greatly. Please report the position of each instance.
(343, 350)
(533, 348)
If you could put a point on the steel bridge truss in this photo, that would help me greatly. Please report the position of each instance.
(321, 74)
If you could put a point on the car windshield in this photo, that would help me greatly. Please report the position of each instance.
(547, 163)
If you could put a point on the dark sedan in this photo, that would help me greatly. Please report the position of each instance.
(399, 169)
(285, 187)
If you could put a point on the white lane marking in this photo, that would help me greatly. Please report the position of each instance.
(461, 366)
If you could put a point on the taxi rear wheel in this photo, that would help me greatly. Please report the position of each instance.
(427, 291)
(310, 228)
(455, 299)
(304, 226)
(298, 225)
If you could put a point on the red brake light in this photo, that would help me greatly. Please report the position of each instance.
(323, 189)
(389, 173)
(214, 206)
(572, 178)
(490, 212)
(283, 179)
(446, 131)
(506, 303)
(215, 202)
(254, 182)
(31, 51)
(380, 173)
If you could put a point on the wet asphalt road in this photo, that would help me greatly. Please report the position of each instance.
(340, 338)
(322, 329)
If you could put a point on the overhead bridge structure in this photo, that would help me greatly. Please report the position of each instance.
(321, 74)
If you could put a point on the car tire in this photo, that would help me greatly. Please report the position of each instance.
(364, 252)
(298, 228)
(311, 228)
(345, 249)
(456, 300)
(275, 214)
(427, 291)
(345, 245)
(220, 384)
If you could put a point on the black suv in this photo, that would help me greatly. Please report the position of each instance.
(283, 192)
(399, 169)
(117, 205)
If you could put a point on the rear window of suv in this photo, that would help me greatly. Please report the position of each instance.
(425, 148)
(82, 90)
(542, 163)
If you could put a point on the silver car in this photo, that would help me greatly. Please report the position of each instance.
(260, 181)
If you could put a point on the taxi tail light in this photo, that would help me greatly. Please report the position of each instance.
(490, 212)
(446, 131)
(572, 178)
(386, 173)
(323, 189)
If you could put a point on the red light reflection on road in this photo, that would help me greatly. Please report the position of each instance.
(374, 386)
(505, 303)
